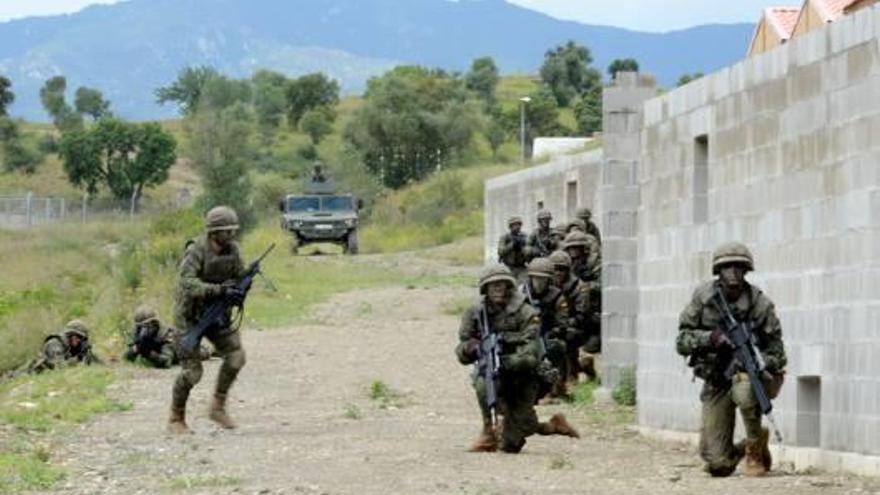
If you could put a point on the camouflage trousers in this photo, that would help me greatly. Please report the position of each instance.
(228, 345)
(719, 419)
(516, 403)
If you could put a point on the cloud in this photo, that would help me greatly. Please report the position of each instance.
(653, 15)
(14, 9)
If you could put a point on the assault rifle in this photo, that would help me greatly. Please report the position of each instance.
(217, 312)
(489, 363)
(746, 356)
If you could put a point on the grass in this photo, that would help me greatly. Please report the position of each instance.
(625, 391)
(560, 462)
(457, 306)
(385, 396)
(189, 482)
(352, 411)
(41, 403)
(29, 471)
(582, 394)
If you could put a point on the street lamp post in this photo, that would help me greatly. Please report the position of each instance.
(522, 126)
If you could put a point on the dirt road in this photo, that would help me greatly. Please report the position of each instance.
(309, 426)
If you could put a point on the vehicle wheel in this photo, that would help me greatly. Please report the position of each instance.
(351, 243)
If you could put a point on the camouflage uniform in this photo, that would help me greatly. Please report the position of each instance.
(150, 341)
(540, 242)
(204, 275)
(517, 323)
(57, 351)
(588, 268)
(584, 323)
(512, 250)
(553, 311)
(721, 396)
(586, 215)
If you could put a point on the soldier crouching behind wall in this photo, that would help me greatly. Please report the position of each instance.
(516, 325)
(704, 341)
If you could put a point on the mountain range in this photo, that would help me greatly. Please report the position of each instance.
(130, 48)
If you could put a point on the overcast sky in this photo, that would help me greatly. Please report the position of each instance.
(645, 15)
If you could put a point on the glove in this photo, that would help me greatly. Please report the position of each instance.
(472, 348)
(234, 293)
(718, 339)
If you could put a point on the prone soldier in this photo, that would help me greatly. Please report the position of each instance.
(503, 317)
(150, 341)
(705, 339)
(70, 348)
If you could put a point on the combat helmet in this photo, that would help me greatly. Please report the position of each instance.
(496, 273)
(221, 218)
(576, 224)
(514, 219)
(78, 328)
(145, 314)
(732, 252)
(575, 239)
(560, 259)
(545, 215)
(584, 213)
(540, 267)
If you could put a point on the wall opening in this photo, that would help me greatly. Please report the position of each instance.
(701, 179)
(809, 411)
(571, 198)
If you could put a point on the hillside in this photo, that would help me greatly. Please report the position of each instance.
(129, 49)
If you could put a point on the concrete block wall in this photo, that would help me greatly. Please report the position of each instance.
(782, 152)
(618, 201)
(562, 185)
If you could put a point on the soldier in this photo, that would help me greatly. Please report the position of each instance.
(558, 233)
(581, 316)
(517, 326)
(704, 342)
(150, 341)
(584, 262)
(540, 242)
(318, 173)
(209, 270)
(512, 249)
(542, 295)
(586, 215)
(70, 348)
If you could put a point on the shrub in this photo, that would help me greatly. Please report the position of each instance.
(625, 391)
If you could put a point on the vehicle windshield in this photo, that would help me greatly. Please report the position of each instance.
(304, 204)
(336, 203)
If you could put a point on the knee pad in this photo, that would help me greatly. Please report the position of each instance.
(190, 377)
(235, 360)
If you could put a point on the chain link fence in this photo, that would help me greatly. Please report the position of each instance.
(27, 210)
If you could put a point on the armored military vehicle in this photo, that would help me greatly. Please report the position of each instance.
(321, 215)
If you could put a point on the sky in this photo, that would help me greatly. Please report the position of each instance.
(642, 15)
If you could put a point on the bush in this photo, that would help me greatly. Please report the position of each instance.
(625, 391)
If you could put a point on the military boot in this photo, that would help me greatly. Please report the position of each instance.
(557, 425)
(486, 442)
(218, 412)
(587, 364)
(765, 447)
(177, 422)
(755, 464)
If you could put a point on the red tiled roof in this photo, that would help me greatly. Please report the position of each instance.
(782, 20)
(831, 10)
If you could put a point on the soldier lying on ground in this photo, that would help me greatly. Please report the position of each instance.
(70, 348)
(153, 343)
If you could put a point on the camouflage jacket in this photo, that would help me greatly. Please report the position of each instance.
(552, 310)
(582, 315)
(56, 353)
(512, 251)
(540, 244)
(202, 272)
(593, 230)
(156, 348)
(700, 318)
(517, 325)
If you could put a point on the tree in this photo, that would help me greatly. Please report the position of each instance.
(483, 78)
(221, 92)
(496, 135)
(52, 95)
(687, 78)
(567, 72)
(6, 95)
(16, 156)
(308, 92)
(269, 98)
(622, 65)
(317, 123)
(186, 90)
(91, 102)
(588, 112)
(413, 121)
(124, 157)
(221, 146)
